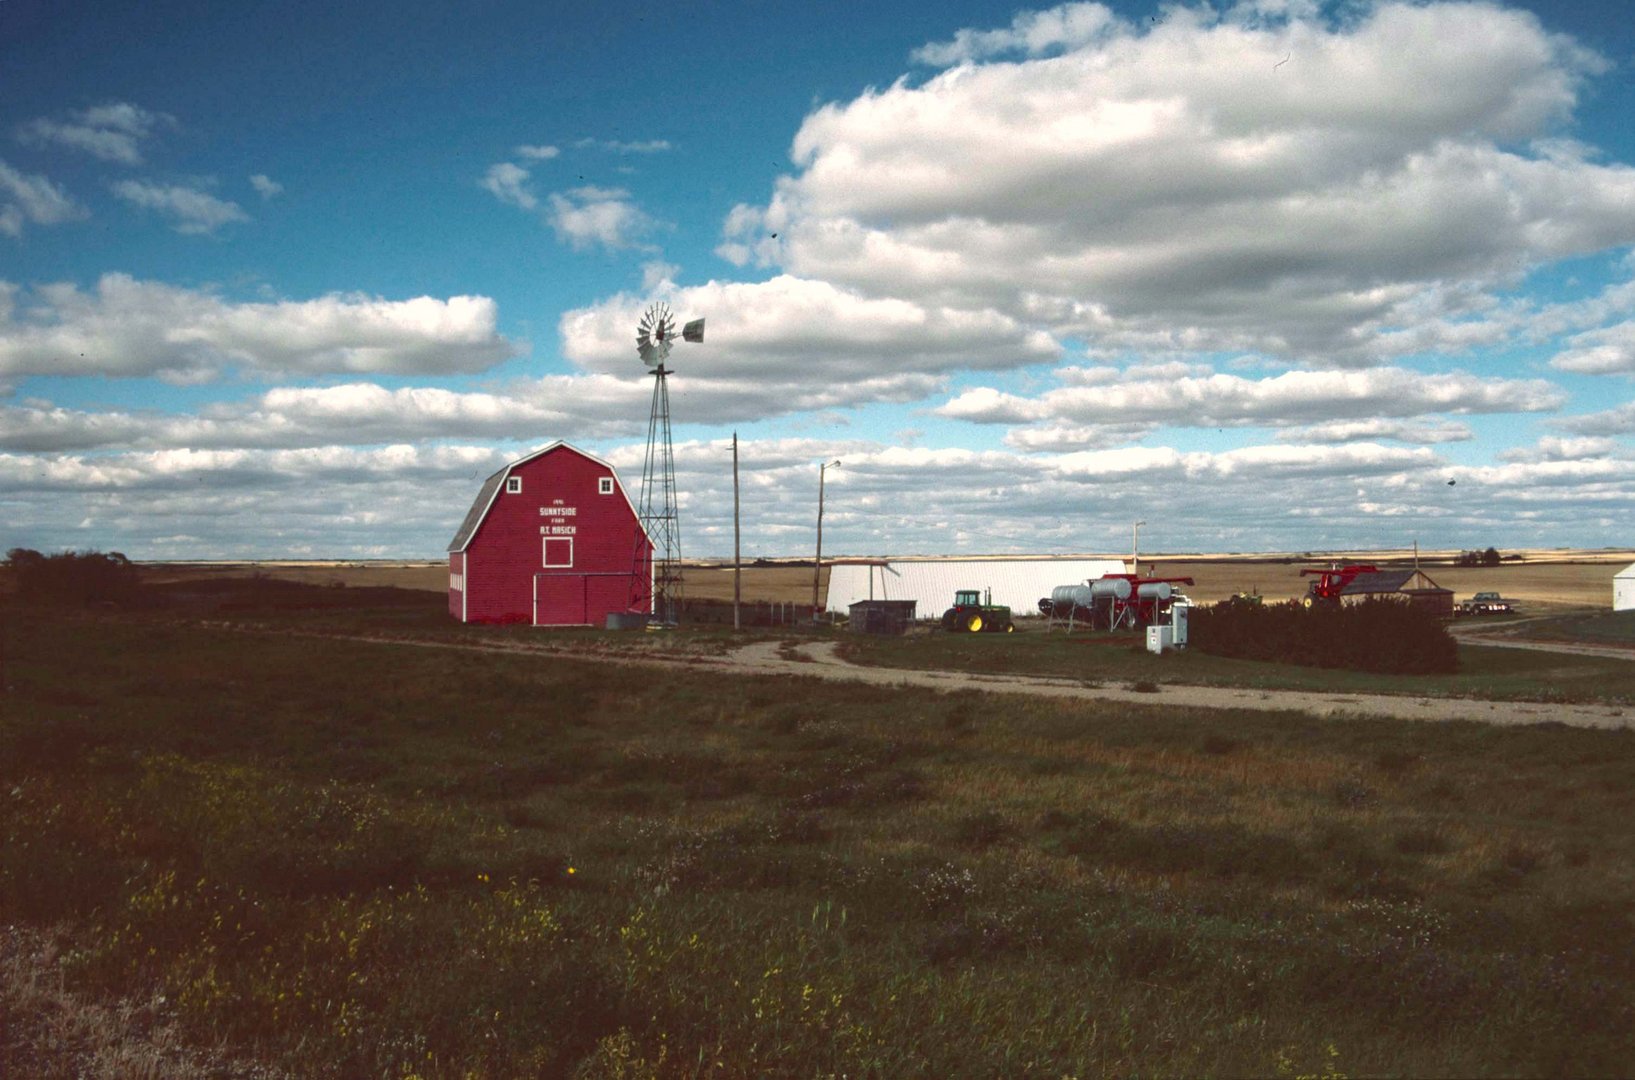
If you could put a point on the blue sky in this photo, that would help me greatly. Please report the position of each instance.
(288, 280)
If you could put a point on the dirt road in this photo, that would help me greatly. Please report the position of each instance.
(818, 660)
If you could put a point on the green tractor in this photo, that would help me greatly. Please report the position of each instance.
(972, 615)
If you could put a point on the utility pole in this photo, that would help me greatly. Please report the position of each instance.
(1135, 548)
(737, 554)
(817, 564)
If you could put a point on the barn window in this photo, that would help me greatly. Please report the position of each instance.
(513, 485)
(558, 551)
(605, 485)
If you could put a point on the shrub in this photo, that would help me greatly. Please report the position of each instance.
(1378, 635)
(71, 577)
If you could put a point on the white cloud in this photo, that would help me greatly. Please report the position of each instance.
(1230, 400)
(26, 199)
(404, 500)
(1616, 421)
(902, 500)
(582, 217)
(659, 277)
(538, 153)
(588, 216)
(788, 345)
(1263, 12)
(266, 186)
(1420, 432)
(1551, 448)
(1031, 33)
(1609, 350)
(576, 407)
(193, 212)
(1063, 438)
(1160, 187)
(393, 500)
(508, 182)
(614, 146)
(133, 328)
(161, 469)
(111, 132)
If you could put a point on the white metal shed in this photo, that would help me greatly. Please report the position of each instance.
(931, 583)
(1623, 589)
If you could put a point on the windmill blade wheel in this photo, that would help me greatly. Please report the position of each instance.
(655, 335)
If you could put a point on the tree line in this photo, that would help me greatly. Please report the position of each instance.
(70, 577)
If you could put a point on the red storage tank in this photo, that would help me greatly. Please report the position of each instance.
(552, 540)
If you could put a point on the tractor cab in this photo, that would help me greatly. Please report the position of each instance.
(967, 598)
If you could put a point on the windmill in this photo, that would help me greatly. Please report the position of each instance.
(659, 590)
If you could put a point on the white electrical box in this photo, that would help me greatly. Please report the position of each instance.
(1160, 638)
(1178, 613)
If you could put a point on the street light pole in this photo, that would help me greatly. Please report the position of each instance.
(1135, 548)
(737, 549)
(817, 565)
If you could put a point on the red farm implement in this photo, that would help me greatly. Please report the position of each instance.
(1331, 581)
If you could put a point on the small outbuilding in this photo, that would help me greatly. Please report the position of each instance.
(1410, 585)
(1623, 589)
(551, 540)
(886, 618)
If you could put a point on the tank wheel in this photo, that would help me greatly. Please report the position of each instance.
(973, 623)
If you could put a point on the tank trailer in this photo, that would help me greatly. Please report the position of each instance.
(1113, 602)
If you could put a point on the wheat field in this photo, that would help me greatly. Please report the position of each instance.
(1551, 578)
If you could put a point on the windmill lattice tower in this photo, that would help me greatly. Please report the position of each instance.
(659, 590)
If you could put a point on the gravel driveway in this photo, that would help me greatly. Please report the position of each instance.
(819, 661)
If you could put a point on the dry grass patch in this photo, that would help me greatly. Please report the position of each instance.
(369, 860)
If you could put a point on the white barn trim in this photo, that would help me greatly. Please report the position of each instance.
(931, 583)
(1623, 589)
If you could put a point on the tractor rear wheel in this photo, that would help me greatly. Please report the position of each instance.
(973, 623)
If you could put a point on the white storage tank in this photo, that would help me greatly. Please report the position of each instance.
(1062, 597)
(1110, 588)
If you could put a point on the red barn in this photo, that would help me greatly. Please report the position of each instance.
(552, 540)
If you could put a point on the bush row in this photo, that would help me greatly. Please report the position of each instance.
(1378, 635)
(71, 577)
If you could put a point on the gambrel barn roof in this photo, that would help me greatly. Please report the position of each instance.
(479, 509)
(491, 489)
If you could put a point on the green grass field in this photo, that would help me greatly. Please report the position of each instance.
(354, 859)
(1602, 628)
(1102, 658)
(1115, 659)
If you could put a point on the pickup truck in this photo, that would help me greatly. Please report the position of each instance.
(1486, 603)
